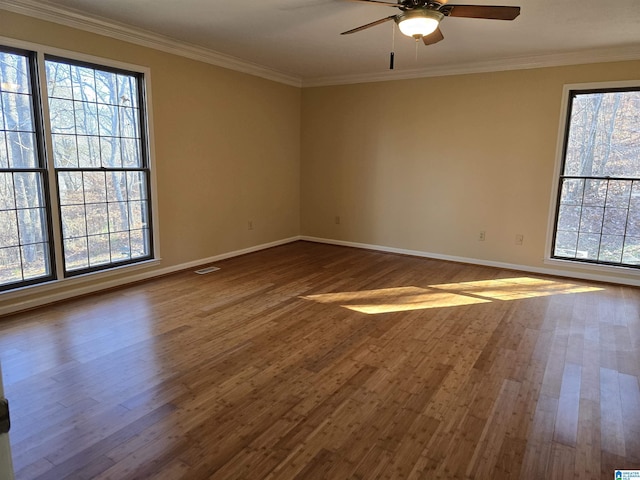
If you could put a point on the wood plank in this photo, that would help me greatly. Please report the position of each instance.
(261, 370)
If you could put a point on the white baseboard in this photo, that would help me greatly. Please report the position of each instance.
(74, 287)
(486, 263)
(37, 295)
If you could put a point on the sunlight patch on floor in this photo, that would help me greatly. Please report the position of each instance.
(515, 288)
(399, 299)
(402, 299)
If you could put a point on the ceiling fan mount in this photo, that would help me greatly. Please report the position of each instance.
(421, 19)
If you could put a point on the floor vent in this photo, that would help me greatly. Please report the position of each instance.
(204, 271)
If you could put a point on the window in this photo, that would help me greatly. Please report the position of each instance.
(101, 173)
(25, 249)
(598, 209)
(96, 131)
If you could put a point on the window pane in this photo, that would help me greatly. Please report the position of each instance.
(65, 150)
(73, 221)
(99, 250)
(131, 152)
(566, 244)
(28, 189)
(89, 152)
(569, 218)
(97, 219)
(7, 193)
(591, 221)
(116, 186)
(118, 217)
(108, 120)
(4, 154)
(76, 254)
(21, 149)
(139, 243)
(120, 248)
(127, 91)
(9, 231)
(35, 260)
(615, 220)
(62, 113)
(129, 122)
(110, 152)
(95, 187)
(588, 246)
(16, 110)
(59, 80)
(86, 118)
(10, 265)
(631, 254)
(83, 82)
(137, 185)
(611, 248)
(30, 226)
(71, 188)
(106, 87)
(14, 74)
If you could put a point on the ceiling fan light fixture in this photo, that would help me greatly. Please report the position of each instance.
(419, 22)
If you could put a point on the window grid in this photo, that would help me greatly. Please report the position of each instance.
(97, 133)
(26, 255)
(598, 208)
(114, 139)
(629, 234)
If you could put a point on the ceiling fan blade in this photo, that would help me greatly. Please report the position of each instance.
(386, 4)
(434, 37)
(372, 24)
(483, 11)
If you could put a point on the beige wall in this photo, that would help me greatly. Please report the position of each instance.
(420, 165)
(427, 164)
(227, 145)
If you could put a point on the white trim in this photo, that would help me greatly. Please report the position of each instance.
(476, 261)
(555, 181)
(79, 281)
(602, 55)
(94, 24)
(102, 26)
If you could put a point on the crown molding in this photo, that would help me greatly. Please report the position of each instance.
(119, 31)
(602, 55)
(82, 21)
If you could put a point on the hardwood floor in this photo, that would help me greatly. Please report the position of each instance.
(311, 361)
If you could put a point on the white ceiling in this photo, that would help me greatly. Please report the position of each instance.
(301, 38)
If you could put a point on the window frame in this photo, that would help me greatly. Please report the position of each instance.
(57, 278)
(568, 93)
(41, 168)
(144, 155)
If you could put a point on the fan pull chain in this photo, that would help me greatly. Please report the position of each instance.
(393, 46)
(416, 50)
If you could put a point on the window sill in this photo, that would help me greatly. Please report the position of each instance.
(78, 285)
(591, 267)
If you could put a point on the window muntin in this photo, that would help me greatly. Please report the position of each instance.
(598, 212)
(101, 167)
(25, 248)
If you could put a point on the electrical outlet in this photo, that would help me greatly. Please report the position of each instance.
(481, 236)
(337, 220)
(250, 225)
(519, 239)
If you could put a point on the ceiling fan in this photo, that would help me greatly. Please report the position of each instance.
(420, 19)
